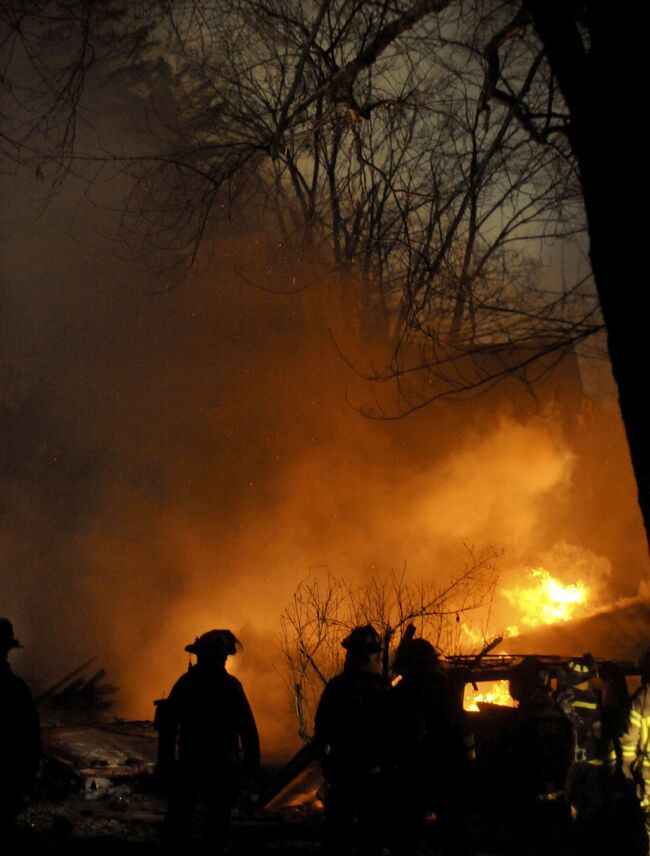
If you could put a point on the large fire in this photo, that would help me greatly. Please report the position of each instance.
(543, 600)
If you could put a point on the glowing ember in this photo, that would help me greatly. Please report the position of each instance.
(494, 693)
(546, 600)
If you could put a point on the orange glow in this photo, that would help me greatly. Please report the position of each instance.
(546, 600)
(542, 600)
(496, 692)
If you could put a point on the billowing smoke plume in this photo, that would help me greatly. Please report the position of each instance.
(179, 460)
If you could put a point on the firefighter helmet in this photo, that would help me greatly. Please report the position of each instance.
(363, 640)
(7, 638)
(216, 643)
(418, 655)
(528, 678)
(578, 670)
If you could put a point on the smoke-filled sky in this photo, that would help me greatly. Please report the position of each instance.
(178, 460)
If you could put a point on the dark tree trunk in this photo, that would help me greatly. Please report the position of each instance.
(604, 82)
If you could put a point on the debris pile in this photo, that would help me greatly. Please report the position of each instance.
(95, 766)
(117, 750)
(76, 698)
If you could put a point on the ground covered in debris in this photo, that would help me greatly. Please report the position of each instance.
(130, 822)
(96, 792)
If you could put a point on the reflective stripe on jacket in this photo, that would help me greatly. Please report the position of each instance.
(634, 743)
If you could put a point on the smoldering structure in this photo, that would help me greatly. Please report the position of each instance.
(181, 459)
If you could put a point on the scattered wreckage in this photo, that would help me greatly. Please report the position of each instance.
(95, 766)
(98, 769)
(297, 787)
(78, 734)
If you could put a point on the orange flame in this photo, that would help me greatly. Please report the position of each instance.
(546, 600)
(496, 693)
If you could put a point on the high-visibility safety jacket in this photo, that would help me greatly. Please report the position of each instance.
(635, 744)
(582, 707)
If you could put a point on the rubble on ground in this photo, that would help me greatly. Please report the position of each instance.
(97, 790)
(116, 750)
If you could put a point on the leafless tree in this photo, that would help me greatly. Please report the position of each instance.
(423, 199)
(421, 142)
(50, 51)
(597, 54)
(325, 608)
(420, 195)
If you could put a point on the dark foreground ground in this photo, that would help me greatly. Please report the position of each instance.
(73, 828)
(128, 823)
(77, 817)
(131, 825)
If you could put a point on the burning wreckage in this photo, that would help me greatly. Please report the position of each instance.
(98, 770)
(482, 684)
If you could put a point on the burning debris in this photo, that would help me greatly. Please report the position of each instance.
(98, 772)
(495, 693)
(618, 631)
(538, 600)
(298, 790)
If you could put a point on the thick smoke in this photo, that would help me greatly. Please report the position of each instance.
(179, 460)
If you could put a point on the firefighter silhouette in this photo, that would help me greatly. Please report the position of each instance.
(586, 781)
(535, 754)
(207, 743)
(20, 742)
(433, 751)
(350, 739)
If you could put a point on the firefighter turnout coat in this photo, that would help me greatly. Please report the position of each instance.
(635, 745)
